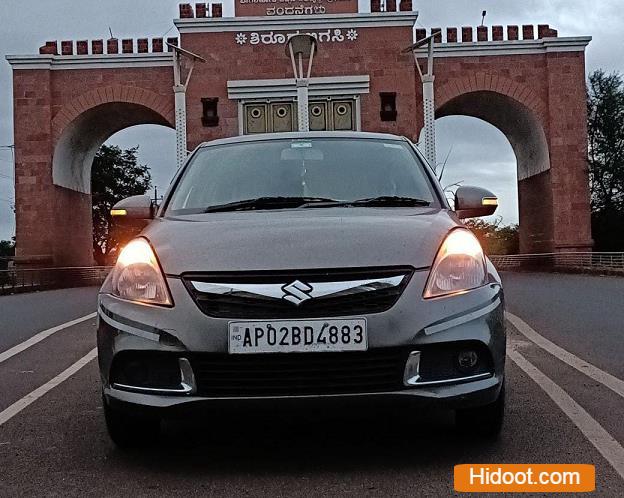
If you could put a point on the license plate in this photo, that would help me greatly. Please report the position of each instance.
(300, 336)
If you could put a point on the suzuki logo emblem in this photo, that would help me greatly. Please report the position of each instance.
(297, 292)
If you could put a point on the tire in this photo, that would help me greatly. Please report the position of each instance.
(130, 431)
(484, 421)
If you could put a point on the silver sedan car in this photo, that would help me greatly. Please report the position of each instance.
(301, 265)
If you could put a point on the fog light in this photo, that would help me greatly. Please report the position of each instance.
(467, 361)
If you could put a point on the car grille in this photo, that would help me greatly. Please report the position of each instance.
(368, 299)
(299, 374)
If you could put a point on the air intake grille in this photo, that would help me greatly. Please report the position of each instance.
(299, 374)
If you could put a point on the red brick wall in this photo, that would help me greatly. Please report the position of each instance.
(242, 9)
(389, 71)
(568, 149)
(53, 221)
(535, 201)
(554, 205)
(75, 91)
(553, 87)
(32, 98)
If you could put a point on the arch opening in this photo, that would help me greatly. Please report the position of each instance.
(72, 163)
(471, 151)
(81, 139)
(524, 131)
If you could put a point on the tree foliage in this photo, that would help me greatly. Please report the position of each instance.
(116, 175)
(495, 238)
(7, 248)
(605, 105)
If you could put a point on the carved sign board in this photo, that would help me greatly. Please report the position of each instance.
(278, 38)
(275, 8)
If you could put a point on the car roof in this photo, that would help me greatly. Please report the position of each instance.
(303, 135)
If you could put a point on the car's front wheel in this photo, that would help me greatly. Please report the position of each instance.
(485, 421)
(130, 431)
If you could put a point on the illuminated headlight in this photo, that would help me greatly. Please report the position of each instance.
(137, 275)
(458, 267)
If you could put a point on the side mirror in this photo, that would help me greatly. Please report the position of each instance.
(138, 207)
(474, 202)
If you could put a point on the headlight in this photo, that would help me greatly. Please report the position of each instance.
(137, 275)
(458, 267)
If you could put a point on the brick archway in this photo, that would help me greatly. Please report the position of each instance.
(537, 100)
(111, 94)
(517, 115)
(68, 101)
(78, 131)
(488, 82)
(85, 123)
(65, 108)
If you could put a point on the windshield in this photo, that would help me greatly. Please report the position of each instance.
(310, 170)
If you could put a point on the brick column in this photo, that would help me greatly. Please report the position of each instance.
(34, 193)
(568, 151)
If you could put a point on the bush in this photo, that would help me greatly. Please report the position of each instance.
(496, 239)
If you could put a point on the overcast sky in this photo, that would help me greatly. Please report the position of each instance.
(480, 153)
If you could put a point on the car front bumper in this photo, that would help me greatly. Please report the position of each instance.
(413, 324)
(458, 396)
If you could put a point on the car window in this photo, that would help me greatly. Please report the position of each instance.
(339, 169)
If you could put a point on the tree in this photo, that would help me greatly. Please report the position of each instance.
(605, 105)
(496, 239)
(7, 248)
(116, 175)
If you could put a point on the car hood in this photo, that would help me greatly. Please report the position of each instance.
(299, 239)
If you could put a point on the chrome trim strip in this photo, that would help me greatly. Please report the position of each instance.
(188, 385)
(403, 392)
(411, 377)
(459, 380)
(469, 317)
(187, 376)
(412, 369)
(150, 336)
(150, 390)
(319, 289)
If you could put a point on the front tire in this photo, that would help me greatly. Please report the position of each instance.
(130, 431)
(485, 421)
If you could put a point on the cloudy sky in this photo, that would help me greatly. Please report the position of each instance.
(480, 153)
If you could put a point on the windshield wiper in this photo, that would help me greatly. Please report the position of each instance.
(390, 200)
(262, 203)
(382, 201)
(267, 203)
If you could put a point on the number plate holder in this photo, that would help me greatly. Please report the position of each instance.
(297, 336)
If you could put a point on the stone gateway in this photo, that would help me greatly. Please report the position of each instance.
(71, 97)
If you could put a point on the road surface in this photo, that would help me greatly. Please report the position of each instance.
(53, 441)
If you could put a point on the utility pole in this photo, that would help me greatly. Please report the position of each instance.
(300, 47)
(428, 79)
(12, 201)
(179, 90)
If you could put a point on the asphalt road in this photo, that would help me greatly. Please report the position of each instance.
(23, 315)
(57, 446)
(582, 314)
